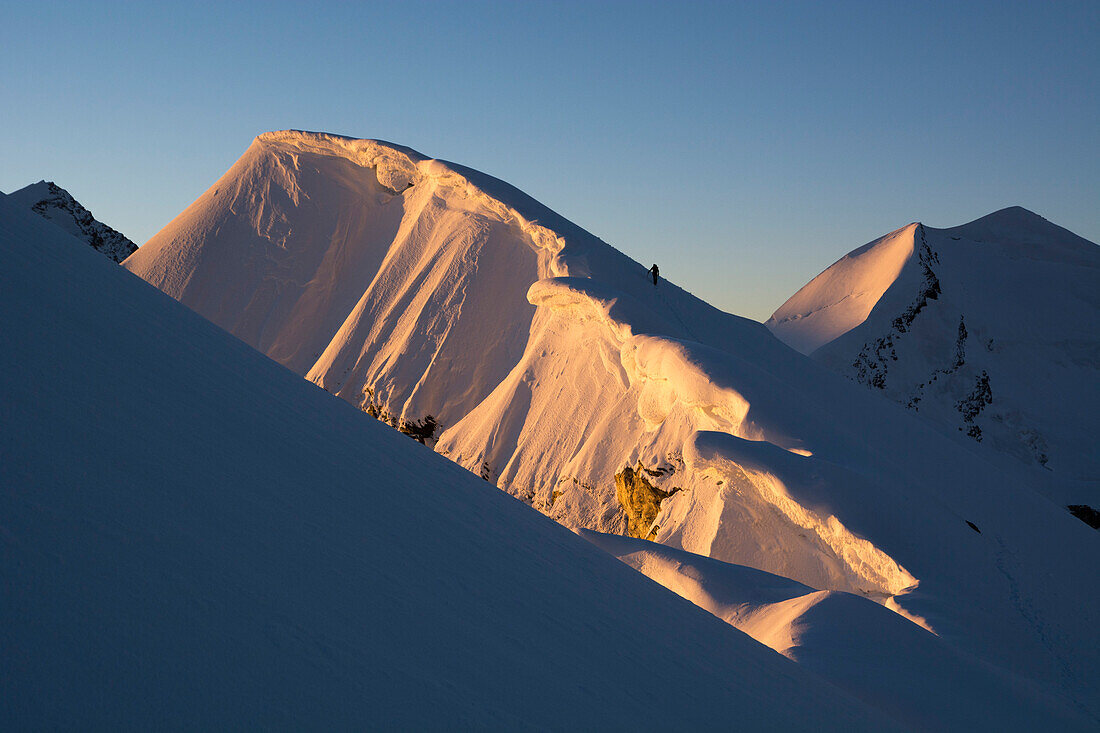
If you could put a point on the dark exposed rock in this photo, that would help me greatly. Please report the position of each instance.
(871, 363)
(972, 405)
(57, 205)
(422, 430)
(930, 284)
(960, 345)
(1086, 514)
(640, 501)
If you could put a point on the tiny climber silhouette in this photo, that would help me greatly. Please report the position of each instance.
(655, 272)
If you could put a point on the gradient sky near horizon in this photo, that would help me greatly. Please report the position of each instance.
(744, 147)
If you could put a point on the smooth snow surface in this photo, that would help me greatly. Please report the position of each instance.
(55, 204)
(839, 299)
(856, 644)
(193, 537)
(410, 286)
(990, 330)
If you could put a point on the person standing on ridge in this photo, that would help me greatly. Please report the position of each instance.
(655, 272)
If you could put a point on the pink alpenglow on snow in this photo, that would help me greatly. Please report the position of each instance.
(195, 537)
(413, 287)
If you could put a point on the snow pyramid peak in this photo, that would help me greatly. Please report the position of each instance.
(842, 296)
(983, 329)
(55, 204)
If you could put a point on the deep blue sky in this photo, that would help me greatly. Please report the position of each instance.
(742, 146)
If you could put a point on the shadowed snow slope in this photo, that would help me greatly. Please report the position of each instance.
(856, 644)
(213, 543)
(55, 204)
(990, 330)
(411, 286)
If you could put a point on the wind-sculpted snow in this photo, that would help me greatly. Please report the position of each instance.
(415, 287)
(589, 299)
(792, 484)
(213, 543)
(856, 644)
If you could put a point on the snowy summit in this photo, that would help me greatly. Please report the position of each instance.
(989, 330)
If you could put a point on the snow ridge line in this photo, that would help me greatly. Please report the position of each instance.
(677, 369)
(398, 167)
(871, 363)
(649, 353)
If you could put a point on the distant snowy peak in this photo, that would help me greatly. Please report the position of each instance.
(840, 298)
(844, 294)
(989, 329)
(54, 203)
(1017, 232)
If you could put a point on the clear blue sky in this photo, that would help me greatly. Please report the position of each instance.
(742, 146)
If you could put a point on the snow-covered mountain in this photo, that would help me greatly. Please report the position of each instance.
(553, 367)
(214, 543)
(990, 330)
(55, 204)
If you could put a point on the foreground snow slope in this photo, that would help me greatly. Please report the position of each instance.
(211, 542)
(55, 204)
(854, 643)
(411, 286)
(990, 330)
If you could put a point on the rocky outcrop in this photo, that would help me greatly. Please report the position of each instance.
(52, 202)
(423, 431)
(870, 364)
(972, 405)
(1086, 514)
(930, 284)
(640, 500)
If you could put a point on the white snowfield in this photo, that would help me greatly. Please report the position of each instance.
(414, 287)
(193, 537)
(990, 330)
(858, 645)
